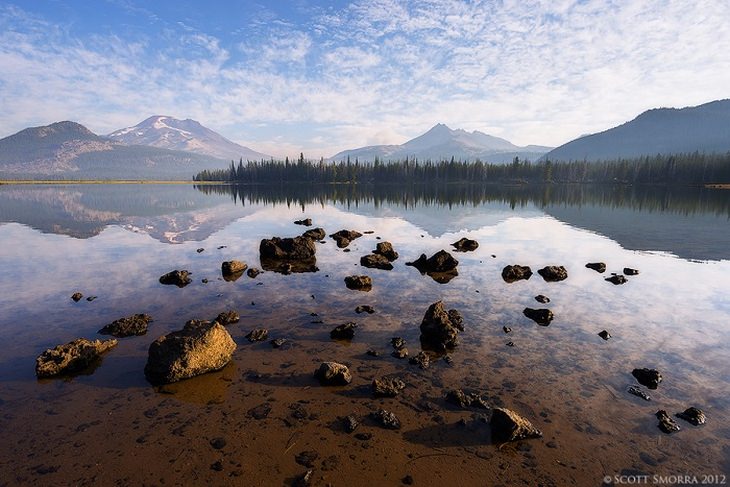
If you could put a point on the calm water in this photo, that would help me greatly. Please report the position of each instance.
(115, 241)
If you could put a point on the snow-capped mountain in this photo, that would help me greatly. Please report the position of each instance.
(184, 135)
(441, 142)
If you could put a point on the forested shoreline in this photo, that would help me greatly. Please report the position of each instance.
(681, 169)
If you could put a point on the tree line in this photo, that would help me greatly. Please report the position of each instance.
(682, 169)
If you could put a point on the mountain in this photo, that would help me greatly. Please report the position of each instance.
(441, 142)
(68, 150)
(184, 135)
(704, 128)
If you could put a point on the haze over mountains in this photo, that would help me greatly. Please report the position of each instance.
(441, 142)
(703, 128)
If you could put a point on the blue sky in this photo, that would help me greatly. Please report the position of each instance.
(288, 76)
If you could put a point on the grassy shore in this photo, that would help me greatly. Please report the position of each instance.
(101, 181)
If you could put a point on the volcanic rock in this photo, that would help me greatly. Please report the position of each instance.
(297, 248)
(124, 327)
(507, 425)
(344, 237)
(71, 357)
(421, 359)
(693, 415)
(333, 374)
(376, 261)
(438, 329)
(386, 250)
(666, 423)
(441, 261)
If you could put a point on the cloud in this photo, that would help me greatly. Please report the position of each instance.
(535, 72)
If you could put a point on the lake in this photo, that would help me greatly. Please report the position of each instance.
(108, 425)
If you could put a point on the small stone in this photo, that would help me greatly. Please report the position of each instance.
(510, 344)
(617, 279)
(401, 353)
(421, 359)
(365, 309)
(630, 272)
(513, 273)
(231, 267)
(597, 266)
(333, 374)
(397, 343)
(346, 331)
(278, 342)
(257, 335)
(129, 326)
(604, 334)
(666, 423)
(253, 272)
(228, 317)
(507, 329)
(507, 425)
(407, 480)
(373, 353)
(204, 281)
(464, 400)
(639, 393)
(386, 419)
(176, 278)
(387, 387)
(217, 466)
(553, 273)
(542, 317)
(541, 298)
(465, 245)
(375, 261)
(363, 436)
(359, 283)
(386, 250)
(647, 377)
(350, 423)
(201, 249)
(259, 412)
(307, 222)
(306, 458)
(91, 298)
(693, 415)
(218, 443)
(77, 297)
(304, 480)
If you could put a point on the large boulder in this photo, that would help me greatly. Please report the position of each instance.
(71, 357)
(376, 261)
(438, 330)
(179, 278)
(333, 374)
(507, 425)
(129, 326)
(513, 273)
(198, 348)
(465, 245)
(287, 255)
(553, 273)
(344, 237)
(386, 250)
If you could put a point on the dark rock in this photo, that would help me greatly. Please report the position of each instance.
(639, 393)
(387, 387)
(507, 425)
(278, 342)
(376, 261)
(297, 248)
(91, 298)
(456, 319)
(407, 480)
(666, 423)
(422, 360)
(71, 357)
(176, 278)
(77, 297)
(604, 334)
(304, 480)
(510, 344)
(437, 329)
(513, 273)
(364, 436)
(465, 245)
(441, 261)
(307, 222)
(463, 400)
(398, 343)
(693, 415)
(630, 272)
(350, 423)
(217, 466)
(333, 374)
(259, 412)
(221, 247)
(386, 419)
(204, 281)
(372, 353)
(218, 443)
(540, 298)
(386, 250)
(344, 237)
(647, 377)
(232, 267)
(129, 326)
(315, 234)
(542, 316)
(198, 348)
(617, 279)
(346, 250)
(307, 458)
(597, 266)
(257, 335)
(553, 273)
(507, 329)
(359, 283)
(400, 353)
(365, 308)
(345, 331)
(253, 272)
(201, 249)
(228, 317)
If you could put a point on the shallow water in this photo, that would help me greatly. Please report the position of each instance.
(115, 241)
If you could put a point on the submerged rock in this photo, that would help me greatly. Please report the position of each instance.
(387, 387)
(77, 297)
(507, 425)
(315, 234)
(376, 261)
(666, 423)
(71, 357)
(333, 374)
(465, 245)
(344, 237)
(176, 278)
(129, 326)
(359, 283)
(597, 266)
(463, 400)
(514, 273)
(647, 377)
(693, 415)
(228, 317)
(346, 331)
(307, 222)
(257, 335)
(553, 273)
(542, 316)
(365, 308)
(604, 334)
(198, 348)
(630, 272)
(639, 393)
(441, 261)
(421, 359)
(385, 419)
(386, 250)
(437, 328)
(617, 279)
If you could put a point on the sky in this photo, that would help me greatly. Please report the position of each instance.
(282, 77)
